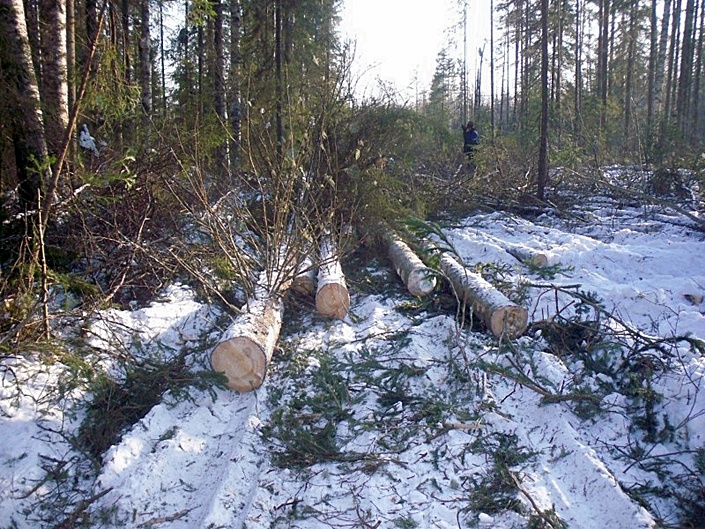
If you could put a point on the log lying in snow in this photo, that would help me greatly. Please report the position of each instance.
(417, 277)
(526, 255)
(502, 316)
(305, 280)
(247, 345)
(332, 296)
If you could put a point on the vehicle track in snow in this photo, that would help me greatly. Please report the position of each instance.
(192, 464)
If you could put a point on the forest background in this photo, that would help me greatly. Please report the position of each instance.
(242, 126)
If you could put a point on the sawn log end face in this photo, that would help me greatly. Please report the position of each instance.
(510, 321)
(333, 300)
(242, 361)
(421, 282)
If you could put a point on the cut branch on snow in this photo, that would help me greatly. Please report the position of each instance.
(332, 296)
(418, 278)
(502, 316)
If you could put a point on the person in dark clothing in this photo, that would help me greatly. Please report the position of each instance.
(471, 139)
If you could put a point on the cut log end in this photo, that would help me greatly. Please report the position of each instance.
(333, 300)
(242, 361)
(421, 282)
(304, 285)
(539, 260)
(510, 321)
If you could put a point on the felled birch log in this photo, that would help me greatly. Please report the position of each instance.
(246, 347)
(417, 277)
(524, 254)
(332, 296)
(521, 253)
(502, 316)
(305, 280)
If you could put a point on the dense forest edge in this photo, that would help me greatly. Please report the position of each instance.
(145, 143)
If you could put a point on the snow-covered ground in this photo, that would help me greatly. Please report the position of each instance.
(399, 415)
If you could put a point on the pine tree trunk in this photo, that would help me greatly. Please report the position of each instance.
(651, 83)
(492, 70)
(126, 41)
(669, 88)
(54, 89)
(603, 59)
(697, 133)
(578, 91)
(631, 54)
(660, 73)
(162, 60)
(221, 151)
(26, 125)
(235, 85)
(71, 52)
(279, 80)
(145, 48)
(91, 25)
(542, 179)
(686, 71)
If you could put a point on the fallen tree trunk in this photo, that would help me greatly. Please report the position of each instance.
(305, 280)
(525, 255)
(521, 253)
(332, 296)
(502, 316)
(417, 277)
(246, 347)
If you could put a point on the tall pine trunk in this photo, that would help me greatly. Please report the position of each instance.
(578, 90)
(71, 52)
(54, 89)
(221, 151)
(697, 133)
(669, 88)
(26, 124)
(686, 71)
(543, 147)
(603, 59)
(145, 49)
(651, 83)
(279, 81)
(492, 69)
(235, 91)
(629, 81)
(660, 69)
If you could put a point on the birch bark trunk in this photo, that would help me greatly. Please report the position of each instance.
(246, 348)
(332, 296)
(502, 316)
(417, 277)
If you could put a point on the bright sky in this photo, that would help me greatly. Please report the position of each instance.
(398, 41)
